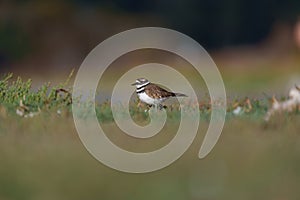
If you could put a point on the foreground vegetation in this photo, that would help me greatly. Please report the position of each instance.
(17, 98)
(42, 157)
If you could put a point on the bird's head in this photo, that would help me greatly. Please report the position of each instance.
(140, 82)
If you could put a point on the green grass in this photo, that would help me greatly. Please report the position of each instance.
(42, 157)
(12, 91)
(249, 161)
(49, 99)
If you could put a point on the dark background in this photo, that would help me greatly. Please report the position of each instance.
(45, 35)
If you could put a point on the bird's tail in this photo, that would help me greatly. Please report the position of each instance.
(179, 95)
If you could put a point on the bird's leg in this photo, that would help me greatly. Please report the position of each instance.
(148, 107)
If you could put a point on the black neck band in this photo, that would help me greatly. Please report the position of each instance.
(139, 92)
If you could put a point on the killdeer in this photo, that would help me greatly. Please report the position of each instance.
(152, 94)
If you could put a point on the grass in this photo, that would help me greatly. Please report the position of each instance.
(250, 161)
(42, 157)
(17, 93)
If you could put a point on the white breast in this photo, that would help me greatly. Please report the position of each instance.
(146, 99)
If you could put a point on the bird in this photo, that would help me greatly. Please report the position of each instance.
(152, 94)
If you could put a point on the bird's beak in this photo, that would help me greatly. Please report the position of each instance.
(134, 84)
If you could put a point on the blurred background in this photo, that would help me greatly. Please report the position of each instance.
(46, 39)
(255, 44)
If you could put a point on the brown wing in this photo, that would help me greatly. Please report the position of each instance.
(157, 92)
